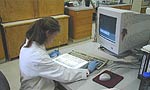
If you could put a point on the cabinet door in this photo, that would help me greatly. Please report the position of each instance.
(81, 22)
(62, 37)
(13, 10)
(15, 36)
(50, 7)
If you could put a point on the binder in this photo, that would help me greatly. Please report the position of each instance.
(145, 64)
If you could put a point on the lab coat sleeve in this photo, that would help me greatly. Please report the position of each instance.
(51, 70)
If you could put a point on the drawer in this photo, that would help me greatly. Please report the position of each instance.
(84, 21)
(83, 28)
(82, 35)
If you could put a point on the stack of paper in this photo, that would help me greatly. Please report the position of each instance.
(146, 48)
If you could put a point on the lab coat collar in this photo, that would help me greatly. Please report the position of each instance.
(35, 44)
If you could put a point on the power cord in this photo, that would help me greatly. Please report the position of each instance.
(119, 64)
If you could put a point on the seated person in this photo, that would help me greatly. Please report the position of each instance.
(37, 69)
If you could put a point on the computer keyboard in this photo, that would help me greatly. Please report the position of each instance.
(86, 57)
(77, 60)
(70, 61)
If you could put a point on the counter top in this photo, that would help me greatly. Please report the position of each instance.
(144, 6)
(114, 5)
(79, 8)
(87, 8)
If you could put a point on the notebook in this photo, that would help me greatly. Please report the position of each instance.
(70, 61)
(101, 61)
(77, 60)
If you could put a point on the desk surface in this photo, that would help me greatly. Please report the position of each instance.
(80, 8)
(130, 81)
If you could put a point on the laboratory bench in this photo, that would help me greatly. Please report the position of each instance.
(13, 17)
(125, 7)
(14, 35)
(80, 23)
(119, 6)
(16, 10)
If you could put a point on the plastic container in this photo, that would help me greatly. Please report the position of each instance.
(145, 81)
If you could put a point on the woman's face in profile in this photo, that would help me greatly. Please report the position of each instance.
(50, 37)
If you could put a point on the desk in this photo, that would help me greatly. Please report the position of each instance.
(119, 6)
(130, 81)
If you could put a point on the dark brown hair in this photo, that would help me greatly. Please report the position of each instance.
(38, 30)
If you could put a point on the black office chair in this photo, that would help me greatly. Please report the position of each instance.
(4, 85)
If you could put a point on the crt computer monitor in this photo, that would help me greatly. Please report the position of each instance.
(121, 30)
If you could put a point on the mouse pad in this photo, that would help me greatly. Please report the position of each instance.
(115, 79)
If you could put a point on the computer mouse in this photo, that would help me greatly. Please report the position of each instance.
(104, 77)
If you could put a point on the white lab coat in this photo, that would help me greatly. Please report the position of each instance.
(38, 70)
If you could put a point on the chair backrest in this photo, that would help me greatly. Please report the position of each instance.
(4, 85)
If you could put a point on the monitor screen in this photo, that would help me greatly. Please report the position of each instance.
(107, 27)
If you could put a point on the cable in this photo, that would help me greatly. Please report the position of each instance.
(118, 64)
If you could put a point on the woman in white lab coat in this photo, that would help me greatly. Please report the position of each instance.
(36, 67)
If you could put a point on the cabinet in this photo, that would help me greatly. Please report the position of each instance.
(15, 34)
(50, 7)
(128, 7)
(125, 7)
(14, 10)
(62, 37)
(80, 22)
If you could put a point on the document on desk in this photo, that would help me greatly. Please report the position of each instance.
(70, 61)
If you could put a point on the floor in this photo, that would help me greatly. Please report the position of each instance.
(11, 68)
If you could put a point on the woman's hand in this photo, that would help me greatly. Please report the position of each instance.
(92, 65)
